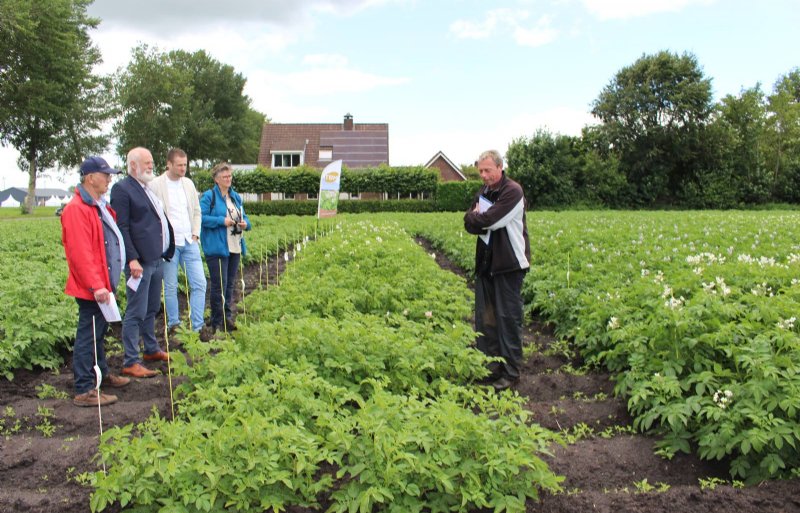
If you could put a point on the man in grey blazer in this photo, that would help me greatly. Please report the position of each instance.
(148, 242)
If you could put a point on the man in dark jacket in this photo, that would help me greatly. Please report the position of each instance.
(502, 258)
(148, 241)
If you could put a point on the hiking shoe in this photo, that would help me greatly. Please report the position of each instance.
(114, 381)
(504, 383)
(207, 332)
(229, 325)
(92, 398)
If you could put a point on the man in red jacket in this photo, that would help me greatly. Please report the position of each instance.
(502, 258)
(95, 255)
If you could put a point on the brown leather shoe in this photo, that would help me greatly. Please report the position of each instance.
(114, 381)
(137, 370)
(92, 398)
(158, 356)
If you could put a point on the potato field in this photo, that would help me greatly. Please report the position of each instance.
(661, 373)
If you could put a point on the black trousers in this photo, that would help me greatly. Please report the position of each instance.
(498, 319)
(222, 272)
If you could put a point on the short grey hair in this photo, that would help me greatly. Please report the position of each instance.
(492, 154)
(222, 166)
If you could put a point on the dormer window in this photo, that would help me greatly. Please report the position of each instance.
(286, 159)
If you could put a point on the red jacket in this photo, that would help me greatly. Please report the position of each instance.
(84, 246)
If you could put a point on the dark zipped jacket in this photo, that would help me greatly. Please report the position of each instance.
(509, 248)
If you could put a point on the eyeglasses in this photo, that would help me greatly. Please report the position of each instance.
(225, 176)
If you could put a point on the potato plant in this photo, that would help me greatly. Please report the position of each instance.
(38, 321)
(340, 387)
(695, 313)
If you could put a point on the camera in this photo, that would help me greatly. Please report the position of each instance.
(236, 230)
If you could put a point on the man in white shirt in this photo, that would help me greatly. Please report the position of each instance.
(182, 206)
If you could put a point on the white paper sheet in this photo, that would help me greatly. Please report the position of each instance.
(110, 309)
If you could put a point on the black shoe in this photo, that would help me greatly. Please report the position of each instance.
(488, 380)
(207, 332)
(504, 383)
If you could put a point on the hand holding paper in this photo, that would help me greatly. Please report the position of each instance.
(110, 309)
(133, 283)
(484, 205)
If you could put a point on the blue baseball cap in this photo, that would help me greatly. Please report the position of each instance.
(97, 165)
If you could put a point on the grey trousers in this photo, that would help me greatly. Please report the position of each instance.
(498, 319)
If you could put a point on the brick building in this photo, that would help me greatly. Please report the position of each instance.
(447, 169)
(358, 145)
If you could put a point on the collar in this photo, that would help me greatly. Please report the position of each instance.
(85, 196)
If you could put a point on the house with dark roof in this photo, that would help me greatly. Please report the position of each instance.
(448, 171)
(358, 145)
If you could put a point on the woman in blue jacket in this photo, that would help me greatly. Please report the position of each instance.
(224, 220)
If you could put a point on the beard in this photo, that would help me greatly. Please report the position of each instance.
(145, 177)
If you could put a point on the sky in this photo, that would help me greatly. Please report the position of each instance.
(457, 76)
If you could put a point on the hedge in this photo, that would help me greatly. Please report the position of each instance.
(304, 179)
(447, 196)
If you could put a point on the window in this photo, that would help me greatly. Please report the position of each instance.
(326, 153)
(288, 196)
(313, 195)
(286, 160)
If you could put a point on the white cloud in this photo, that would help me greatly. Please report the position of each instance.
(242, 49)
(326, 60)
(557, 120)
(625, 9)
(161, 18)
(302, 96)
(507, 21)
(322, 81)
(412, 144)
(494, 20)
(539, 35)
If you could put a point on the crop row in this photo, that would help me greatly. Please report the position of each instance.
(38, 321)
(694, 312)
(348, 387)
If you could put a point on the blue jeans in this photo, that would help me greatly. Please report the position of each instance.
(187, 257)
(140, 314)
(221, 277)
(83, 352)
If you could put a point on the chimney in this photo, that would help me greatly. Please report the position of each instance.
(348, 121)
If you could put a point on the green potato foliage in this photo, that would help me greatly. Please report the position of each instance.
(348, 385)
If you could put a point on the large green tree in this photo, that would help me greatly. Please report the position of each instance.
(51, 104)
(186, 100)
(783, 137)
(740, 123)
(654, 113)
(545, 165)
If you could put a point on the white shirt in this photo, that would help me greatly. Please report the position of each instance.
(179, 212)
(161, 215)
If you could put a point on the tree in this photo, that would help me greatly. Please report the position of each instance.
(654, 113)
(51, 105)
(783, 136)
(599, 181)
(545, 165)
(740, 121)
(186, 100)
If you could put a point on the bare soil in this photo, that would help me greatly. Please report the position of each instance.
(39, 474)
